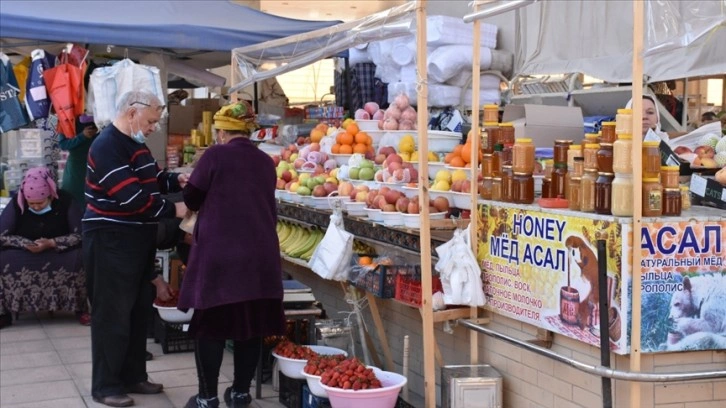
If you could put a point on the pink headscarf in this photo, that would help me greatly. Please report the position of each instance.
(37, 184)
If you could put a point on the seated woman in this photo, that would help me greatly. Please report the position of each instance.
(41, 265)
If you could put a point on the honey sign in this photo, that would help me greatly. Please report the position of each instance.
(542, 268)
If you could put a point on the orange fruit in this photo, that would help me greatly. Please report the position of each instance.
(365, 260)
(346, 149)
(322, 126)
(457, 150)
(335, 149)
(457, 161)
(466, 153)
(361, 148)
(316, 135)
(346, 138)
(352, 128)
(362, 137)
(448, 157)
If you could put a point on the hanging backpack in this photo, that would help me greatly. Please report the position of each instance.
(12, 114)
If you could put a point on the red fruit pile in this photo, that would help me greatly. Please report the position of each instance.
(350, 374)
(294, 351)
(168, 303)
(318, 365)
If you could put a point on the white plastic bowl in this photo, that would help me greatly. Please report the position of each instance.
(367, 124)
(306, 200)
(376, 136)
(392, 218)
(355, 208)
(414, 220)
(293, 368)
(384, 397)
(314, 384)
(295, 197)
(434, 168)
(341, 159)
(174, 315)
(374, 214)
(285, 195)
(452, 169)
(439, 193)
(461, 200)
(410, 192)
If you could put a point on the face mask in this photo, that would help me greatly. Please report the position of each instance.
(138, 136)
(41, 211)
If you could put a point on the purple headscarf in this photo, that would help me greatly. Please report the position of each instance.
(37, 184)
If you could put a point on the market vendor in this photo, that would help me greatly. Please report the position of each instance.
(651, 118)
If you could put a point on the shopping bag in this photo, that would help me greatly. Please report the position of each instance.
(12, 114)
(37, 102)
(64, 84)
(75, 55)
(459, 271)
(21, 71)
(331, 258)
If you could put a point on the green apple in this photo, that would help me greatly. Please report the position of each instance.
(366, 164)
(303, 178)
(293, 157)
(283, 165)
(354, 173)
(367, 173)
(304, 191)
(319, 180)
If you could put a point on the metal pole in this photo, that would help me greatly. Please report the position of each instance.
(604, 302)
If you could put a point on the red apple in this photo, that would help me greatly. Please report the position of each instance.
(456, 185)
(276, 159)
(319, 191)
(379, 158)
(682, 149)
(329, 187)
(286, 175)
(389, 208)
(361, 196)
(412, 207)
(300, 141)
(441, 204)
(466, 186)
(280, 184)
(402, 204)
(345, 188)
(705, 152)
(392, 196)
(386, 150)
(379, 202)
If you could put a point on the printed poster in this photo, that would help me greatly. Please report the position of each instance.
(542, 268)
(683, 286)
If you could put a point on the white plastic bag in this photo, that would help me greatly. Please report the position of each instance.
(331, 259)
(460, 273)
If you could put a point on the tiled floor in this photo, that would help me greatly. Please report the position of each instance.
(45, 361)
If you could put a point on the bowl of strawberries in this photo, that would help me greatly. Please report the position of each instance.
(351, 384)
(168, 311)
(292, 358)
(315, 368)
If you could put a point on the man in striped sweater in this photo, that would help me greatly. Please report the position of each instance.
(123, 205)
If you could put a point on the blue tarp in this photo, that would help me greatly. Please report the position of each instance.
(191, 25)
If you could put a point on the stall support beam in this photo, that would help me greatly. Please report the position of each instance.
(635, 397)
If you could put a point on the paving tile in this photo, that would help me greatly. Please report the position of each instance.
(27, 333)
(39, 391)
(79, 370)
(33, 375)
(18, 361)
(65, 330)
(165, 362)
(179, 378)
(23, 347)
(74, 402)
(72, 343)
(142, 401)
(75, 356)
(180, 395)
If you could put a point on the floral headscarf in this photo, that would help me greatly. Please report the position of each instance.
(37, 184)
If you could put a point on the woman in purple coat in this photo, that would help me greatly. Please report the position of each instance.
(234, 278)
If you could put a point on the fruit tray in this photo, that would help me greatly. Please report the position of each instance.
(408, 289)
(381, 281)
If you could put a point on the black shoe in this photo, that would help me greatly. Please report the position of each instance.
(235, 399)
(144, 387)
(149, 356)
(196, 402)
(120, 400)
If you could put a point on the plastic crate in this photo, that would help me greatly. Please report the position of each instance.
(291, 391)
(172, 337)
(408, 288)
(311, 401)
(400, 403)
(381, 281)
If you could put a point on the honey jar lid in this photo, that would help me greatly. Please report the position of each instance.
(563, 141)
(592, 146)
(506, 124)
(590, 135)
(491, 124)
(575, 147)
(671, 190)
(491, 106)
(523, 140)
(685, 188)
(607, 124)
(625, 136)
(670, 168)
(651, 143)
(625, 111)
(651, 180)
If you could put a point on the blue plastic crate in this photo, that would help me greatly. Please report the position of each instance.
(311, 401)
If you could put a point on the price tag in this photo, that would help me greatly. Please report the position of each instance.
(698, 185)
(723, 195)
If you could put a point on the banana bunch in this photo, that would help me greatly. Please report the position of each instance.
(297, 241)
(361, 248)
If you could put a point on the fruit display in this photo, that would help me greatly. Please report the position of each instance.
(297, 241)
(318, 364)
(353, 140)
(710, 152)
(294, 351)
(350, 374)
(168, 303)
(370, 111)
(400, 115)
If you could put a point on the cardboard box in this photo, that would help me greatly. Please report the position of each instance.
(708, 191)
(545, 124)
(181, 119)
(201, 105)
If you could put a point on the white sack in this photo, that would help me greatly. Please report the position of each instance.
(459, 271)
(356, 56)
(463, 78)
(486, 96)
(449, 60)
(444, 30)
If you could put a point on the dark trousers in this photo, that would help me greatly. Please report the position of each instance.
(118, 262)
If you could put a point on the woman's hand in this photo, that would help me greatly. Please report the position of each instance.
(41, 245)
(90, 131)
(163, 290)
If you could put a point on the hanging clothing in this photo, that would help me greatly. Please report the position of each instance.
(12, 114)
(364, 87)
(36, 101)
(21, 70)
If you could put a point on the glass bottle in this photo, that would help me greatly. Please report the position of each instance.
(572, 152)
(497, 160)
(497, 188)
(590, 155)
(651, 159)
(622, 195)
(608, 133)
(507, 188)
(590, 138)
(624, 121)
(578, 168)
(506, 133)
(669, 176)
(523, 188)
(560, 151)
(575, 193)
(523, 156)
(485, 190)
(487, 165)
(491, 113)
(605, 158)
(603, 193)
(671, 202)
(492, 135)
(559, 181)
(587, 187)
(623, 154)
(685, 198)
(547, 179)
(652, 197)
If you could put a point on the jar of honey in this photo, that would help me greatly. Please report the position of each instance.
(603, 193)
(572, 152)
(497, 161)
(507, 186)
(491, 113)
(624, 121)
(575, 193)
(485, 189)
(560, 151)
(623, 154)
(622, 195)
(669, 176)
(547, 179)
(672, 202)
(590, 155)
(651, 159)
(652, 197)
(605, 158)
(492, 136)
(685, 198)
(590, 138)
(497, 188)
(487, 165)
(587, 187)
(522, 188)
(608, 133)
(506, 133)
(575, 172)
(523, 156)
(559, 181)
